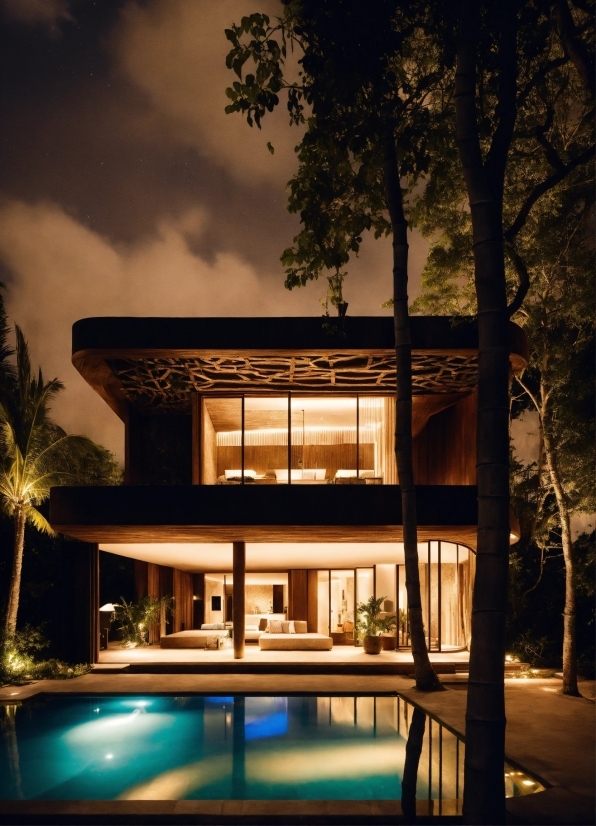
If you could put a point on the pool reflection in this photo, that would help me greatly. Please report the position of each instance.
(195, 747)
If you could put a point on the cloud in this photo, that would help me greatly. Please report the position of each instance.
(46, 12)
(62, 271)
(175, 52)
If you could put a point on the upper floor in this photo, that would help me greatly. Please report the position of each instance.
(270, 401)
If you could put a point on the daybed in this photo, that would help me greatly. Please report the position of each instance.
(191, 639)
(299, 640)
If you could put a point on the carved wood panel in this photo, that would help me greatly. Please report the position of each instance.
(167, 383)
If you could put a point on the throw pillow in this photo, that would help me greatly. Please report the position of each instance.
(262, 624)
(300, 627)
(288, 627)
(275, 627)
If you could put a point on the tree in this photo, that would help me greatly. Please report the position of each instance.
(547, 215)
(36, 454)
(367, 81)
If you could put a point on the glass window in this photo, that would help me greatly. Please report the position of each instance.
(342, 601)
(324, 439)
(323, 602)
(221, 441)
(266, 438)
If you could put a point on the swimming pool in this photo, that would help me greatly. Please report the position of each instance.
(225, 748)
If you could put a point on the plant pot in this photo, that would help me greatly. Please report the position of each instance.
(372, 645)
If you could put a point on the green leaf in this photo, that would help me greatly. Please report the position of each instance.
(270, 148)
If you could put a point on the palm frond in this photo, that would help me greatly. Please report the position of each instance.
(38, 521)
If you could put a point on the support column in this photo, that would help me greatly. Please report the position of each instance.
(238, 610)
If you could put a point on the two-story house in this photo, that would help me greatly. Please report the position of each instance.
(260, 469)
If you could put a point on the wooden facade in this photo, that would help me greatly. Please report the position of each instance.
(178, 383)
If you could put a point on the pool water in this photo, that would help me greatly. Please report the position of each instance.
(214, 747)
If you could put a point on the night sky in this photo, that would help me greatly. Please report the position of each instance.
(126, 189)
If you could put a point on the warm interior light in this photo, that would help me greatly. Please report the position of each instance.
(109, 606)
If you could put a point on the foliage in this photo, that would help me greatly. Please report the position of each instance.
(550, 154)
(369, 623)
(18, 663)
(137, 618)
(359, 82)
(536, 599)
(36, 453)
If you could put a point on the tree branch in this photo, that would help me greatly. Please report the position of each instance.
(535, 585)
(573, 47)
(524, 280)
(542, 188)
(540, 75)
(552, 156)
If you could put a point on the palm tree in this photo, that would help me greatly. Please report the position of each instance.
(35, 455)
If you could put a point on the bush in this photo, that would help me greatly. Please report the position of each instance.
(18, 665)
(137, 618)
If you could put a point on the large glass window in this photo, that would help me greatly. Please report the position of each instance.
(290, 439)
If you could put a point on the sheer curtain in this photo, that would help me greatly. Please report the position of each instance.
(377, 425)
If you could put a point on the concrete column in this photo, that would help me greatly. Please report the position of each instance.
(238, 610)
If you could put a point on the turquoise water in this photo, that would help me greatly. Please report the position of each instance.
(210, 747)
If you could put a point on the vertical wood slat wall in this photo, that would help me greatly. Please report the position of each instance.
(160, 581)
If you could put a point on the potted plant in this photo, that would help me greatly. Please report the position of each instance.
(370, 624)
(137, 618)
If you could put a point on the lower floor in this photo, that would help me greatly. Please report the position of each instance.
(322, 584)
(349, 658)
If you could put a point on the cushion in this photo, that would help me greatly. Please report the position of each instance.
(345, 474)
(237, 474)
(300, 627)
(309, 475)
(367, 474)
(275, 627)
(263, 624)
(320, 474)
(288, 627)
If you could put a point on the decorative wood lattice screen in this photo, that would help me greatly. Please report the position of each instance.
(167, 383)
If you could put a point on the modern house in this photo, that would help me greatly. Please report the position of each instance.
(260, 470)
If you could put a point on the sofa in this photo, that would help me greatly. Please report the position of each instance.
(256, 624)
(293, 636)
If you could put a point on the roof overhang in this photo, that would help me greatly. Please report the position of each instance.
(155, 364)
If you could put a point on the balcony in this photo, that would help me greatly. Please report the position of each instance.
(254, 513)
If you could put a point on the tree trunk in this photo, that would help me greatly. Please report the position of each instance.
(484, 787)
(10, 625)
(410, 777)
(569, 654)
(426, 679)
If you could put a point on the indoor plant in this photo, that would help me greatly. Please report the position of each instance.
(136, 618)
(370, 625)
